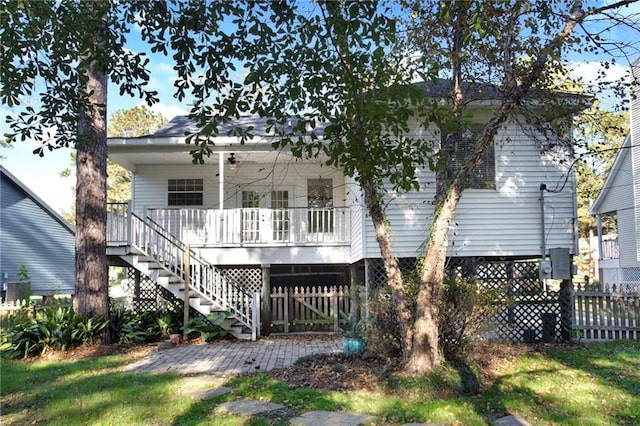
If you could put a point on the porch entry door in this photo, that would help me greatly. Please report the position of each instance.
(265, 218)
(320, 216)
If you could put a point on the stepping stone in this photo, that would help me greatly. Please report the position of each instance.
(207, 393)
(248, 407)
(512, 420)
(330, 418)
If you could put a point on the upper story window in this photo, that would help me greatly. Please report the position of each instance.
(185, 192)
(484, 175)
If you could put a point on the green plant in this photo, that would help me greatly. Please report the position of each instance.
(462, 309)
(25, 284)
(51, 328)
(355, 327)
(127, 327)
(209, 328)
(170, 322)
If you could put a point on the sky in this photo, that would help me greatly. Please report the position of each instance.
(42, 175)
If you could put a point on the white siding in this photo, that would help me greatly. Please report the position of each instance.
(358, 216)
(150, 183)
(620, 195)
(635, 149)
(627, 239)
(501, 222)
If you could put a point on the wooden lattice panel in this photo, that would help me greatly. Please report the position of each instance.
(249, 278)
(529, 313)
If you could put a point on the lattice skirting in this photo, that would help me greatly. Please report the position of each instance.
(532, 313)
(148, 296)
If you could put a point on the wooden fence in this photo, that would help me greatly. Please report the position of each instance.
(601, 315)
(309, 308)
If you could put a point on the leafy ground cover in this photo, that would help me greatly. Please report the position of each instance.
(547, 385)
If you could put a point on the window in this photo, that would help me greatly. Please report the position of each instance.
(484, 175)
(280, 207)
(185, 192)
(320, 202)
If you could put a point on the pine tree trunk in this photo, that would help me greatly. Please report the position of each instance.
(92, 285)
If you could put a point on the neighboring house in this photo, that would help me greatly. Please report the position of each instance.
(620, 195)
(268, 219)
(34, 235)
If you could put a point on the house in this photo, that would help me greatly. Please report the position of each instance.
(619, 262)
(34, 235)
(256, 219)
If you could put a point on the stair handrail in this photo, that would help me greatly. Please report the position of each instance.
(206, 279)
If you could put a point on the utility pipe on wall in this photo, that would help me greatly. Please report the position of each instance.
(543, 187)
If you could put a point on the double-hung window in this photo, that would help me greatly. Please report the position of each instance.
(185, 192)
(484, 175)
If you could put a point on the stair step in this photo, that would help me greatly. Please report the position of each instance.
(171, 281)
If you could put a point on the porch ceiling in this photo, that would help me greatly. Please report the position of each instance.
(131, 156)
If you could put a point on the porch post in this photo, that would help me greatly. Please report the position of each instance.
(187, 282)
(266, 299)
(221, 195)
(600, 248)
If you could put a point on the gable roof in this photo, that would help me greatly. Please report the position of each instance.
(609, 182)
(29, 193)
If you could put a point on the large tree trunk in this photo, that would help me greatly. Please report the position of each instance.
(92, 286)
(394, 275)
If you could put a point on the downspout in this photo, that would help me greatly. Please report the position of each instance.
(543, 187)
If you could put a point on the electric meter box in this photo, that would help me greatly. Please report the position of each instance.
(544, 269)
(560, 263)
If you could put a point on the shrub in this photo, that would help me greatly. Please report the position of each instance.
(464, 308)
(209, 328)
(130, 328)
(51, 328)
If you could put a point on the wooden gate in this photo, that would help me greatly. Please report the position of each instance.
(310, 308)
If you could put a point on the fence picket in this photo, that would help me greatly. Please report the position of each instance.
(307, 308)
(605, 315)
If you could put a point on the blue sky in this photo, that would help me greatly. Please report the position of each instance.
(42, 174)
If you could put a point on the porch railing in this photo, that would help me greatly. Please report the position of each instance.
(255, 226)
(610, 249)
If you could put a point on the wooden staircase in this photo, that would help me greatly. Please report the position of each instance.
(146, 246)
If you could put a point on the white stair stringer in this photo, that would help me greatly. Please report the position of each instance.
(161, 257)
(161, 275)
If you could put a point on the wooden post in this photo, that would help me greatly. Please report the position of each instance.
(354, 294)
(137, 278)
(335, 308)
(286, 310)
(266, 299)
(566, 308)
(187, 280)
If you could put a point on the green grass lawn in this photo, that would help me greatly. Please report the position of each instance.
(592, 385)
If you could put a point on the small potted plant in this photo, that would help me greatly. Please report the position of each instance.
(353, 335)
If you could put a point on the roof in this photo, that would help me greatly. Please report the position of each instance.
(180, 125)
(37, 199)
(616, 168)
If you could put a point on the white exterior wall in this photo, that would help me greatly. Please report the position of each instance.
(355, 199)
(501, 222)
(635, 152)
(627, 239)
(150, 183)
(621, 194)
